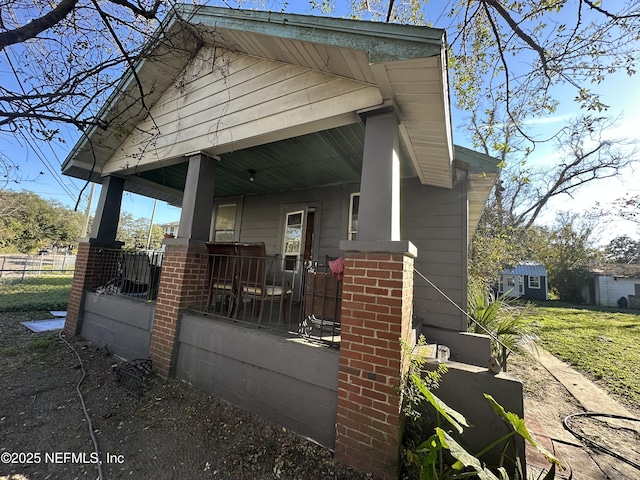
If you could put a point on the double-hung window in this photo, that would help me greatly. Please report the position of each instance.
(225, 225)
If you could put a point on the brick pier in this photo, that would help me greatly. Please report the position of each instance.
(376, 313)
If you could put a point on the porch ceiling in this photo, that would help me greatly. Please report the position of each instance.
(406, 63)
(330, 157)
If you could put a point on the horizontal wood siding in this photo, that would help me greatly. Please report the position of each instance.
(435, 220)
(224, 98)
(263, 218)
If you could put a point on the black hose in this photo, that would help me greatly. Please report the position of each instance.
(596, 445)
(84, 406)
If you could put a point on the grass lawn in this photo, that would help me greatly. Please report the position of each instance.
(602, 343)
(35, 293)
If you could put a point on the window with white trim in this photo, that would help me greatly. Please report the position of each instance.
(354, 206)
(534, 281)
(521, 284)
(225, 226)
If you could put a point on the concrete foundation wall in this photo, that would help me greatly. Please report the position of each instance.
(462, 388)
(282, 378)
(465, 347)
(122, 324)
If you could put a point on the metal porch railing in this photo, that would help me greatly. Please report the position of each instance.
(265, 291)
(129, 274)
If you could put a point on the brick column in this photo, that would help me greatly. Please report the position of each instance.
(183, 278)
(376, 312)
(89, 268)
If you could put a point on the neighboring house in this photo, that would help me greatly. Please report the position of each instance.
(170, 229)
(611, 282)
(312, 138)
(527, 280)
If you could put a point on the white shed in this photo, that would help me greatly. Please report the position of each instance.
(612, 282)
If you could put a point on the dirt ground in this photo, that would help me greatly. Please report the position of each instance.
(548, 403)
(175, 431)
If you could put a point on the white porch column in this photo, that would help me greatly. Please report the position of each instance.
(197, 203)
(379, 211)
(105, 225)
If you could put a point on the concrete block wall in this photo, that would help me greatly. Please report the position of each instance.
(282, 378)
(462, 388)
(121, 324)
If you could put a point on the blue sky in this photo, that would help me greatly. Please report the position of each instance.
(620, 92)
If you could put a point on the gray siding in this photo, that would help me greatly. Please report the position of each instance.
(282, 378)
(263, 217)
(435, 220)
(123, 324)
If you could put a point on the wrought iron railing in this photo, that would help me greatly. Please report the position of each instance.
(130, 274)
(265, 291)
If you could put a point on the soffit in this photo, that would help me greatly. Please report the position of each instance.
(404, 62)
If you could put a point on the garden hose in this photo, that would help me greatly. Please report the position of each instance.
(596, 445)
(84, 406)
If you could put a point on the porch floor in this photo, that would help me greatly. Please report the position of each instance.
(293, 323)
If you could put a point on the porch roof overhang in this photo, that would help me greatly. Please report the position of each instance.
(406, 64)
(482, 172)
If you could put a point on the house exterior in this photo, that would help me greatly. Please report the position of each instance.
(314, 138)
(609, 283)
(527, 280)
(170, 229)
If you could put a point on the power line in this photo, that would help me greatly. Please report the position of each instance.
(36, 148)
(39, 154)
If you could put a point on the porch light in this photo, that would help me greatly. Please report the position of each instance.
(252, 175)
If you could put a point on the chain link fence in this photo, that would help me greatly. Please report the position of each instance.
(35, 282)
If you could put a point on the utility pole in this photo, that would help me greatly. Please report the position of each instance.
(87, 214)
(153, 214)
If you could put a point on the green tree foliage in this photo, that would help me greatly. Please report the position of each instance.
(623, 249)
(567, 248)
(570, 254)
(507, 232)
(29, 222)
(134, 232)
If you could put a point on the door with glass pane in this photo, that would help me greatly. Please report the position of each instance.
(297, 238)
(293, 239)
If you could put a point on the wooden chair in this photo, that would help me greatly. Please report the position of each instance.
(222, 275)
(253, 270)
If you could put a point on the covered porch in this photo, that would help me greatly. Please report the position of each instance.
(315, 139)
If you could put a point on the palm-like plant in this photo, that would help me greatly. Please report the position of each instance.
(503, 319)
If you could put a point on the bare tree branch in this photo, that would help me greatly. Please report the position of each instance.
(38, 25)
